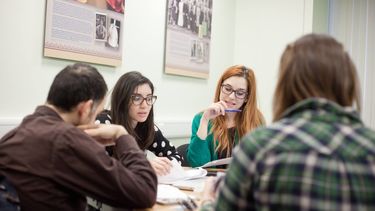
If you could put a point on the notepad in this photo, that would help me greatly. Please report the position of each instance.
(178, 173)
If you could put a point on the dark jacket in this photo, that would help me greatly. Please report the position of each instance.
(55, 165)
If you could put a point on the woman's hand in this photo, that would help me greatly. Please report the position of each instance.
(215, 110)
(211, 112)
(161, 165)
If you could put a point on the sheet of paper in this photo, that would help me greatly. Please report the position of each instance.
(168, 194)
(195, 185)
(219, 162)
(178, 173)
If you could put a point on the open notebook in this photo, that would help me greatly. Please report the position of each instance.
(178, 173)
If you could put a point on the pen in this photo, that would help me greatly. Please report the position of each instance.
(233, 110)
(181, 187)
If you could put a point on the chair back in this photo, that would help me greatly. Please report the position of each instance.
(9, 200)
(182, 150)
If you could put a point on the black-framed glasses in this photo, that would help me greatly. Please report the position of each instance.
(138, 99)
(228, 89)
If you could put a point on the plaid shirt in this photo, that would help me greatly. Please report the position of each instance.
(319, 156)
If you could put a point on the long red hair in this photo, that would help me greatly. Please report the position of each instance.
(245, 121)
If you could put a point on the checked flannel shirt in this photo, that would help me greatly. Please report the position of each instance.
(319, 156)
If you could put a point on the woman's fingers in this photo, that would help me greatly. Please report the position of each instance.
(165, 162)
(161, 165)
(223, 106)
(217, 109)
(159, 168)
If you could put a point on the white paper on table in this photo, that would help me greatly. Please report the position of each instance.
(168, 194)
(219, 162)
(178, 173)
(195, 185)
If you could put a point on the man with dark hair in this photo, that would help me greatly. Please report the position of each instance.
(74, 84)
(56, 156)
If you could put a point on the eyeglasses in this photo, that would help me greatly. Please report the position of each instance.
(138, 99)
(244, 69)
(228, 89)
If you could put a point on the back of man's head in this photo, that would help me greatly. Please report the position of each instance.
(74, 84)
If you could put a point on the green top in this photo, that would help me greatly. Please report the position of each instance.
(319, 156)
(201, 151)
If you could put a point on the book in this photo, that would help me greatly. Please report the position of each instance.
(219, 162)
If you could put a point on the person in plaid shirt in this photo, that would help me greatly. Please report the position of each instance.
(317, 155)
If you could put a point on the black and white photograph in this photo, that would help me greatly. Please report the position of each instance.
(101, 27)
(188, 37)
(193, 15)
(84, 30)
(114, 33)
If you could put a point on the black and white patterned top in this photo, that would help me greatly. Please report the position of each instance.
(161, 146)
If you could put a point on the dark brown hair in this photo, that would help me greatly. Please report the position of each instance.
(120, 103)
(74, 84)
(315, 66)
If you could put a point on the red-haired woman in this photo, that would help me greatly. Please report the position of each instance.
(217, 129)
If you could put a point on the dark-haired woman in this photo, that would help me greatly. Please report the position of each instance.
(132, 107)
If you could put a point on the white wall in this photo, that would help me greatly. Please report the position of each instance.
(26, 75)
(251, 32)
(263, 29)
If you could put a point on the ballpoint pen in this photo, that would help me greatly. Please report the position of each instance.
(233, 110)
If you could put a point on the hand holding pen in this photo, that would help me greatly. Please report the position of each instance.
(217, 109)
(214, 110)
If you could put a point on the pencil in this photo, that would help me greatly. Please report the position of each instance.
(181, 187)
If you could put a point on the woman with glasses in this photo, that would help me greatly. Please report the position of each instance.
(217, 129)
(132, 107)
